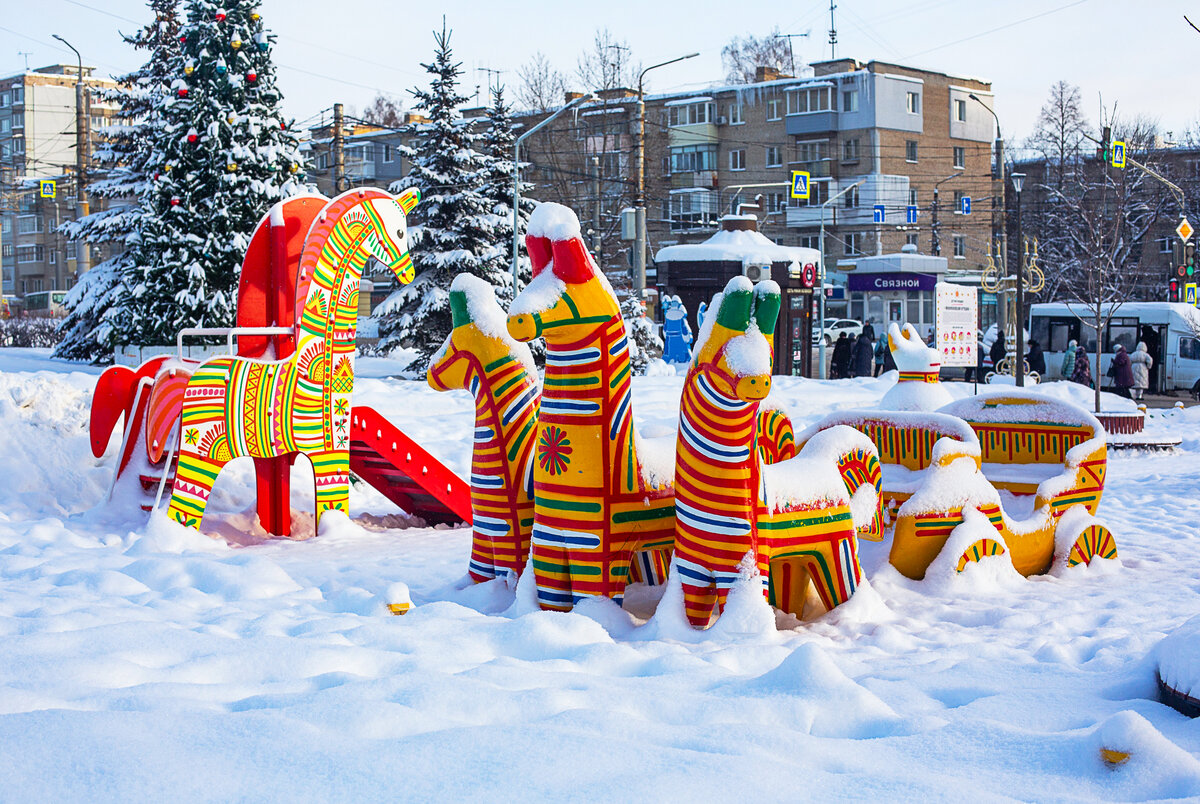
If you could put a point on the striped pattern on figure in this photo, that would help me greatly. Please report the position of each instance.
(721, 513)
(479, 356)
(236, 407)
(594, 508)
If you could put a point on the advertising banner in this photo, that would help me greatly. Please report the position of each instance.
(957, 312)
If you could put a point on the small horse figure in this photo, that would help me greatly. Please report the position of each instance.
(236, 407)
(596, 503)
(479, 356)
(793, 515)
(919, 386)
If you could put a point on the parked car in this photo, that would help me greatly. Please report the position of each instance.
(835, 327)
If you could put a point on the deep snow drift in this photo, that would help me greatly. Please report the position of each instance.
(142, 660)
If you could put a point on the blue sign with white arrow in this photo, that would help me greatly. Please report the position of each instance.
(966, 205)
(879, 213)
(910, 214)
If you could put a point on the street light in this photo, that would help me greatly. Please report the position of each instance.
(937, 241)
(516, 247)
(1003, 221)
(82, 257)
(1018, 179)
(821, 282)
(639, 201)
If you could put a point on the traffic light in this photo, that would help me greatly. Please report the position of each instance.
(1189, 260)
(1173, 290)
(1105, 149)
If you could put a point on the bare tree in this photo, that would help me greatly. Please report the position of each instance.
(607, 64)
(541, 86)
(385, 111)
(744, 54)
(1059, 135)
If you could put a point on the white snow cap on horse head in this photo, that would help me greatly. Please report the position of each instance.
(909, 350)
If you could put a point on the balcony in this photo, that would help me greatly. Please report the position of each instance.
(811, 122)
(817, 169)
(360, 169)
(696, 178)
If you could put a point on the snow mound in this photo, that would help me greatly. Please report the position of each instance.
(553, 221)
(1178, 656)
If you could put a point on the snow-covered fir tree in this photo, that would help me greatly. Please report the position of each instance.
(98, 302)
(455, 227)
(496, 183)
(223, 154)
(644, 343)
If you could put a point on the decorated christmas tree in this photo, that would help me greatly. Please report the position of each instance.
(223, 154)
(99, 301)
(455, 227)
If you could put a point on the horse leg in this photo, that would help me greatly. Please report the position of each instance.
(194, 479)
(331, 478)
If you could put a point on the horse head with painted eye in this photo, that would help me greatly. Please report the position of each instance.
(736, 346)
(568, 298)
(387, 231)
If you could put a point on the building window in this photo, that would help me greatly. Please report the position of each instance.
(30, 253)
(818, 193)
(1164, 245)
(776, 201)
(812, 151)
(691, 114)
(960, 247)
(387, 152)
(54, 256)
(850, 100)
(810, 100)
(850, 150)
(912, 197)
(773, 157)
(322, 161)
(851, 197)
(6, 250)
(29, 224)
(18, 145)
(18, 120)
(689, 210)
(912, 102)
(3, 99)
(960, 111)
(5, 125)
(853, 244)
(737, 159)
(960, 156)
(773, 109)
(18, 95)
(690, 158)
(811, 241)
(958, 198)
(910, 238)
(910, 150)
(735, 114)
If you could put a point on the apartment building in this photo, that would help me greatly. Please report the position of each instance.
(371, 155)
(37, 142)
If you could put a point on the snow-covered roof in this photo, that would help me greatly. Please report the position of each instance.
(737, 246)
(903, 262)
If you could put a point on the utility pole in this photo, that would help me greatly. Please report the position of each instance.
(1001, 313)
(937, 240)
(339, 151)
(639, 199)
(832, 33)
(82, 255)
(596, 239)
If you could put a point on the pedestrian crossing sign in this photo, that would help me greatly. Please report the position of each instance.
(800, 184)
(1118, 154)
(47, 188)
(1189, 293)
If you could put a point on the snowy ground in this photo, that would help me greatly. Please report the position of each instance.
(142, 661)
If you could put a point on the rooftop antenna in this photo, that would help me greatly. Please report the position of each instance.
(832, 32)
(26, 54)
(791, 53)
(491, 72)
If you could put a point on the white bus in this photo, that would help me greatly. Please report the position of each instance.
(1169, 330)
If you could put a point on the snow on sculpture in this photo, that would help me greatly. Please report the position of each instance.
(919, 387)
(794, 516)
(481, 357)
(239, 407)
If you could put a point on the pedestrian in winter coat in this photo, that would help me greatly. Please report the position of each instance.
(998, 351)
(1068, 364)
(1082, 373)
(1121, 371)
(889, 362)
(841, 357)
(864, 356)
(1140, 363)
(881, 348)
(869, 330)
(1036, 358)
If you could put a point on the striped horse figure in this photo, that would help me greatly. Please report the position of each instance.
(595, 504)
(236, 407)
(480, 356)
(793, 515)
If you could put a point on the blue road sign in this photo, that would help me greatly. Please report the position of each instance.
(910, 214)
(879, 214)
(800, 184)
(966, 205)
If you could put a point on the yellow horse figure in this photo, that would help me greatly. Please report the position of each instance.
(236, 407)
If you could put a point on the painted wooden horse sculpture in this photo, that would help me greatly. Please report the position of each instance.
(236, 407)
(794, 516)
(595, 503)
(481, 357)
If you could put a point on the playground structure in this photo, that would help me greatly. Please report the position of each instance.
(793, 517)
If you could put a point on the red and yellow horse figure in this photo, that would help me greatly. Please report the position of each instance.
(236, 407)
(794, 516)
(480, 356)
(596, 502)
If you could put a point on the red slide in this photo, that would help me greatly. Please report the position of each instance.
(404, 472)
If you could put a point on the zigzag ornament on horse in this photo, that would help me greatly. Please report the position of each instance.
(236, 407)
(596, 502)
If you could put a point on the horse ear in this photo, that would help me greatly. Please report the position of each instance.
(766, 308)
(409, 199)
(734, 312)
(460, 314)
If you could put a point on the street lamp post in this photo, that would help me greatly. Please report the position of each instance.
(821, 281)
(82, 257)
(1018, 179)
(516, 246)
(937, 241)
(1003, 223)
(639, 201)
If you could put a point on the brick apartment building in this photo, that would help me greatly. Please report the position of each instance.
(37, 141)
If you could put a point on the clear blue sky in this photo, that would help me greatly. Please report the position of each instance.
(1140, 56)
